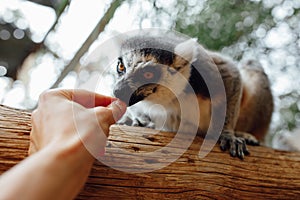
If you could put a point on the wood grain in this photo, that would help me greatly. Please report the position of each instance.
(265, 174)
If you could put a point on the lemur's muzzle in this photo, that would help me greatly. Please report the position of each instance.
(127, 95)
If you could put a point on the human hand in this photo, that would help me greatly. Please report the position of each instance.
(69, 130)
(73, 119)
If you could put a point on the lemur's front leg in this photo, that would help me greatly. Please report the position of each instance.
(133, 118)
(235, 142)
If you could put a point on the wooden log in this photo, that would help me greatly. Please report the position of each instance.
(265, 174)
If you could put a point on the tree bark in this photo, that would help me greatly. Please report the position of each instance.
(265, 174)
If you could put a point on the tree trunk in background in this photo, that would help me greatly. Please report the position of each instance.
(265, 174)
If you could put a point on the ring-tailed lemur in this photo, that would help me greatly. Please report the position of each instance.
(147, 68)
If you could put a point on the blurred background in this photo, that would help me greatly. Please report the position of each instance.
(46, 44)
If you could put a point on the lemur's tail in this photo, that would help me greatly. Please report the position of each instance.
(289, 141)
(257, 96)
(253, 65)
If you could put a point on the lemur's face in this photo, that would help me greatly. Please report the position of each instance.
(151, 74)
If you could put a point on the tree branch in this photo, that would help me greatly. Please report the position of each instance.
(265, 174)
(92, 37)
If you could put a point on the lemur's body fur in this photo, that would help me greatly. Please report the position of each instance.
(150, 67)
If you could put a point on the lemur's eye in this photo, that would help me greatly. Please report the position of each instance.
(151, 73)
(148, 75)
(121, 69)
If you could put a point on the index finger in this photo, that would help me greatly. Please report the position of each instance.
(85, 98)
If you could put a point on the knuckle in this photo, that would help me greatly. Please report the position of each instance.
(44, 96)
(34, 116)
(104, 115)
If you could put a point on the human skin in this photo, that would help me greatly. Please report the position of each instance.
(66, 129)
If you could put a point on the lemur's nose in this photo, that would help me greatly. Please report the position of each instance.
(123, 93)
(127, 95)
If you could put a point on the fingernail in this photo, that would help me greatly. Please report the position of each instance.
(120, 104)
(121, 107)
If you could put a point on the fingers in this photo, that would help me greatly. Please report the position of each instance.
(90, 99)
(93, 114)
(83, 97)
(108, 109)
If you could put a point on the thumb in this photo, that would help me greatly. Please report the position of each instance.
(105, 116)
(110, 114)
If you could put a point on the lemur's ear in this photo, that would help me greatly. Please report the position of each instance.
(187, 50)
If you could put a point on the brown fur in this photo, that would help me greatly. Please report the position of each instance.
(249, 98)
(257, 102)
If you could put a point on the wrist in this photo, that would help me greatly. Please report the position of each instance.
(58, 171)
(67, 167)
(72, 152)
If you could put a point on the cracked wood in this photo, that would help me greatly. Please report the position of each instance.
(265, 174)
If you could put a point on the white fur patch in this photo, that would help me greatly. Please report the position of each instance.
(188, 50)
(289, 141)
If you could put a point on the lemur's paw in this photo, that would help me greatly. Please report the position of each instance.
(236, 145)
(250, 139)
(150, 125)
(143, 121)
(125, 120)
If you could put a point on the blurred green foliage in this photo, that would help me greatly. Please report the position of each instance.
(289, 111)
(221, 23)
